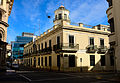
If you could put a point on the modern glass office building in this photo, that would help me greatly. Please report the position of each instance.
(18, 44)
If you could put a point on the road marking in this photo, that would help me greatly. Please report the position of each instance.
(25, 77)
(100, 82)
(24, 71)
(71, 75)
(53, 79)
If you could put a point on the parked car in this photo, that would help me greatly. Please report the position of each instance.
(15, 66)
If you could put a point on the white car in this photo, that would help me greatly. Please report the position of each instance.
(15, 66)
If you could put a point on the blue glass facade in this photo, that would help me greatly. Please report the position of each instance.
(18, 46)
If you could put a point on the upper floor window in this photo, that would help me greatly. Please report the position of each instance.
(55, 16)
(101, 42)
(49, 43)
(45, 44)
(71, 39)
(91, 41)
(111, 22)
(65, 16)
(60, 16)
(0, 16)
(1, 2)
(42, 46)
(110, 3)
(0, 36)
(99, 28)
(58, 40)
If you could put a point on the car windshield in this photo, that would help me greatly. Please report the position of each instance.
(15, 64)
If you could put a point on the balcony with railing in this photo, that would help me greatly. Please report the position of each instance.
(66, 47)
(102, 49)
(46, 51)
(91, 48)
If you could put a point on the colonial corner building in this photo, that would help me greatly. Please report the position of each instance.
(5, 10)
(67, 47)
(113, 14)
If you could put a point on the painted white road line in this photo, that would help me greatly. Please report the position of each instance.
(71, 75)
(25, 77)
(25, 71)
(53, 79)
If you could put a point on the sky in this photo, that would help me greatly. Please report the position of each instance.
(29, 15)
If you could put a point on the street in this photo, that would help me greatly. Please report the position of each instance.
(57, 77)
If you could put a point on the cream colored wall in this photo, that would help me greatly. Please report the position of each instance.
(5, 9)
(82, 38)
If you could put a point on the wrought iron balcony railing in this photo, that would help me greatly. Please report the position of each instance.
(46, 51)
(102, 49)
(91, 48)
(66, 47)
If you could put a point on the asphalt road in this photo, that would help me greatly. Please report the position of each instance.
(57, 77)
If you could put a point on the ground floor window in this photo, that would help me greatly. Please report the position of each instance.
(45, 61)
(50, 61)
(39, 61)
(58, 60)
(92, 60)
(34, 61)
(31, 61)
(102, 60)
(71, 60)
(112, 60)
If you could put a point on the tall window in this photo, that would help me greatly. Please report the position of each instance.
(45, 44)
(102, 60)
(60, 16)
(101, 42)
(58, 40)
(111, 60)
(111, 22)
(39, 61)
(50, 43)
(45, 61)
(50, 61)
(99, 28)
(91, 41)
(110, 3)
(42, 46)
(39, 47)
(65, 16)
(55, 16)
(71, 40)
(0, 16)
(0, 36)
(92, 60)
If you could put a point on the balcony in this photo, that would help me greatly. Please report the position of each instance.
(110, 12)
(46, 51)
(102, 49)
(24, 55)
(66, 47)
(91, 48)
